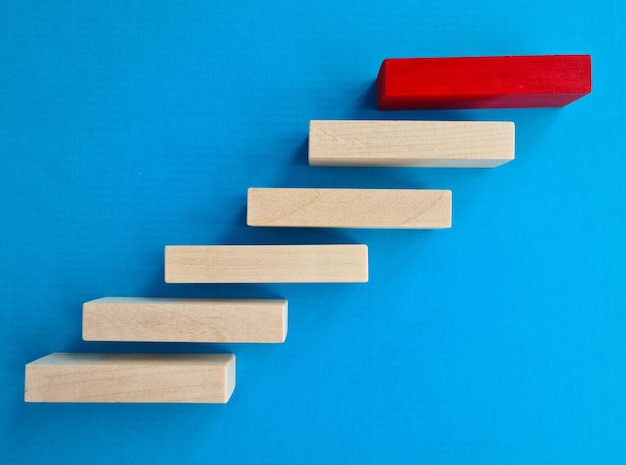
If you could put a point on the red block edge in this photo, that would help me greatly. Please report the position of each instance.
(483, 82)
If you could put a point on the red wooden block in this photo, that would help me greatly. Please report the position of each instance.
(483, 82)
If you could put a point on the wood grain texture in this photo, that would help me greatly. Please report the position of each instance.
(483, 82)
(135, 378)
(350, 208)
(434, 144)
(141, 319)
(266, 264)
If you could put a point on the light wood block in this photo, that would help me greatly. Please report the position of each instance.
(266, 264)
(433, 144)
(350, 208)
(135, 378)
(141, 319)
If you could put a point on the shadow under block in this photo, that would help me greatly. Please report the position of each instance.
(266, 264)
(350, 208)
(483, 82)
(429, 144)
(133, 378)
(140, 319)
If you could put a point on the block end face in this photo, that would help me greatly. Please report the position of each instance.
(250, 211)
(365, 252)
(448, 195)
(229, 378)
(167, 277)
(381, 87)
(285, 321)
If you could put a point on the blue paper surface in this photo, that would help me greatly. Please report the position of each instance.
(129, 125)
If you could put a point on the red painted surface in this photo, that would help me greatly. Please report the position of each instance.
(483, 82)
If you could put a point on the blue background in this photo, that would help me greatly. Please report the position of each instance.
(129, 125)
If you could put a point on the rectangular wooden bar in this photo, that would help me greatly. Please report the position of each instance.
(350, 208)
(134, 378)
(483, 82)
(433, 144)
(266, 264)
(140, 319)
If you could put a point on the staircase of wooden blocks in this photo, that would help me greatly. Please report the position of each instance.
(417, 83)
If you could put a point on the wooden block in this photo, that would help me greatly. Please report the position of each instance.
(459, 144)
(184, 320)
(266, 264)
(483, 82)
(350, 208)
(104, 378)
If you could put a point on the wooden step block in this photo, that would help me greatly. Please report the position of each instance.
(266, 264)
(350, 208)
(174, 378)
(140, 319)
(483, 82)
(433, 144)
